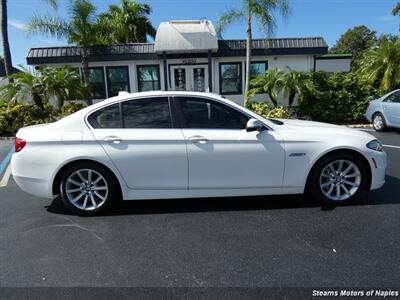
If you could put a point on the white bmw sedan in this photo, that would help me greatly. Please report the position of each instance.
(155, 145)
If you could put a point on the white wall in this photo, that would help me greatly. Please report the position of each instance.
(333, 65)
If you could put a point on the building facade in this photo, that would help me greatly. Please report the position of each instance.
(187, 55)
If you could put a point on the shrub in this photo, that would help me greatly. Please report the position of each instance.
(13, 117)
(260, 108)
(335, 98)
(70, 108)
(280, 112)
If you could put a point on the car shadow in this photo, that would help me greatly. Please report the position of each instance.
(386, 195)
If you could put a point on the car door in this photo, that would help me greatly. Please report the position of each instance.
(391, 108)
(140, 138)
(221, 153)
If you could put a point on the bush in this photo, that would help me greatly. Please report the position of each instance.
(335, 98)
(280, 112)
(260, 108)
(13, 117)
(70, 108)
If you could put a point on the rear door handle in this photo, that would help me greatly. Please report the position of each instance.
(197, 139)
(112, 139)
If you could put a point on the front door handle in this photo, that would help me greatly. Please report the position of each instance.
(198, 139)
(112, 139)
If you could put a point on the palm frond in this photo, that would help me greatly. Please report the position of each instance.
(52, 3)
(48, 24)
(228, 18)
(265, 11)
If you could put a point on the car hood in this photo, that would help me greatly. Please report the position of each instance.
(303, 123)
(323, 129)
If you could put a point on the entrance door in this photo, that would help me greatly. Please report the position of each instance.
(189, 78)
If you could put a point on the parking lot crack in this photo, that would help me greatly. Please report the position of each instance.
(72, 224)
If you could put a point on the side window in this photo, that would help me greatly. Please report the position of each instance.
(204, 113)
(107, 117)
(147, 113)
(395, 97)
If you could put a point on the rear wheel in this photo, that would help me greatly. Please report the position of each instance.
(378, 122)
(88, 189)
(337, 179)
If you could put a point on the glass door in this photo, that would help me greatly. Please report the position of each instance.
(179, 79)
(189, 78)
(199, 80)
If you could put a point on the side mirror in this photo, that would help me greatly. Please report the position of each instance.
(254, 125)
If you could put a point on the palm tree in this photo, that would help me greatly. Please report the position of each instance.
(63, 84)
(4, 34)
(25, 84)
(126, 23)
(381, 64)
(271, 84)
(263, 12)
(293, 82)
(81, 29)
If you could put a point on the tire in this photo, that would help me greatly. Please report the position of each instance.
(88, 196)
(351, 179)
(378, 122)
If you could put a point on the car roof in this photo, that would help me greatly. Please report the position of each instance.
(126, 95)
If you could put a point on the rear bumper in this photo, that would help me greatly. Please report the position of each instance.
(29, 180)
(378, 162)
(34, 186)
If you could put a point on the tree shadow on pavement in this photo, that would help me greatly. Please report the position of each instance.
(388, 194)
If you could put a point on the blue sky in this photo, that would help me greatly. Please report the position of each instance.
(326, 18)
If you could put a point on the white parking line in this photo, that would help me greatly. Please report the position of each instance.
(391, 146)
(6, 177)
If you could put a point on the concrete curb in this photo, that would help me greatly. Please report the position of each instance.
(360, 126)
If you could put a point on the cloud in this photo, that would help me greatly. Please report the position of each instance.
(387, 18)
(17, 24)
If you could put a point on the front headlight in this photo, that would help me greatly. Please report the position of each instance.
(375, 145)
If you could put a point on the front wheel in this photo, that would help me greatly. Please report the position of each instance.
(88, 189)
(337, 179)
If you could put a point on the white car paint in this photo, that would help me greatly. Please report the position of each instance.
(180, 163)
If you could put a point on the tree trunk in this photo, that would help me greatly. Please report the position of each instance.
(6, 44)
(292, 95)
(248, 59)
(273, 100)
(85, 67)
(60, 103)
(37, 100)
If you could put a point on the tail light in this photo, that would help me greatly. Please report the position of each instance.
(19, 144)
(369, 104)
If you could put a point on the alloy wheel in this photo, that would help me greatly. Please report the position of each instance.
(340, 180)
(86, 189)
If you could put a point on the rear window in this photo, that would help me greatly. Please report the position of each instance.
(107, 117)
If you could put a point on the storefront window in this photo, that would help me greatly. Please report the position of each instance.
(230, 75)
(97, 83)
(148, 78)
(117, 80)
(258, 68)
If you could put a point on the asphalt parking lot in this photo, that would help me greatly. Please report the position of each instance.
(285, 241)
